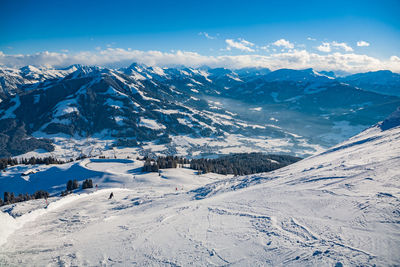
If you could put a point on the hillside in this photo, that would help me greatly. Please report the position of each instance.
(337, 208)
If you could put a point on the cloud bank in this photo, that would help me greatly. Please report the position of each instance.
(294, 59)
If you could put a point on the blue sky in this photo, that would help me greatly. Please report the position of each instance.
(207, 28)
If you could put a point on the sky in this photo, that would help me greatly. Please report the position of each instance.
(352, 36)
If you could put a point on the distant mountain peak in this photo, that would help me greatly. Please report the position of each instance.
(135, 65)
(29, 68)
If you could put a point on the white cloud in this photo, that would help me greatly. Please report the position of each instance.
(294, 59)
(362, 43)
(283, 43)
(208, 36)
(241, 45)
(311, 39)
(395, 59)
(324, 47)
(327, 47)
(344, 46)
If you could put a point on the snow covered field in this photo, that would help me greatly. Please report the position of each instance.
(181, 145)
(338, 208)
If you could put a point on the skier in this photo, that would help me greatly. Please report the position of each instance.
(111, 195)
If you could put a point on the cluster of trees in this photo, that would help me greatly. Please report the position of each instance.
(5, 162)
(237, 164)
(10, 198)
(47, 161)
(73, 184)
(153, 165)
(83, 156)
(242, 163)
(150, 166)
(88, 183)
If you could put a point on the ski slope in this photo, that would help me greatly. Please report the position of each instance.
(339, 208)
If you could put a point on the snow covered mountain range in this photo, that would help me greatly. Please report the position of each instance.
(337, 208)
(292, 111)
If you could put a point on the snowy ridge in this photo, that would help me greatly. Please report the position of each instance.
(12, 79)
(383, 81)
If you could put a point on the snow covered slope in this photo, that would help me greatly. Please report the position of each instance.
(338, 208)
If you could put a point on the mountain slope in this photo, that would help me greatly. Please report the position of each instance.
(143, 107)
(383, 82)
(335, 209)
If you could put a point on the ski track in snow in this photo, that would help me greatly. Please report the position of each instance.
(339, 207)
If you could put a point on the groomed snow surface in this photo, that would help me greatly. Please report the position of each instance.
(339, 208)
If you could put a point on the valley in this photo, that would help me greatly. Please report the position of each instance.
(181, 111)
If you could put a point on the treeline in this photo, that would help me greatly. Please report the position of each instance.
(5, 162)
(10, 198)
(242, 163)
(237, 164)
(168, 162)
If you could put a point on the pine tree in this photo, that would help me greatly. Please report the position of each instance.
(6, 197)
(75, 184)
(69, 185)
